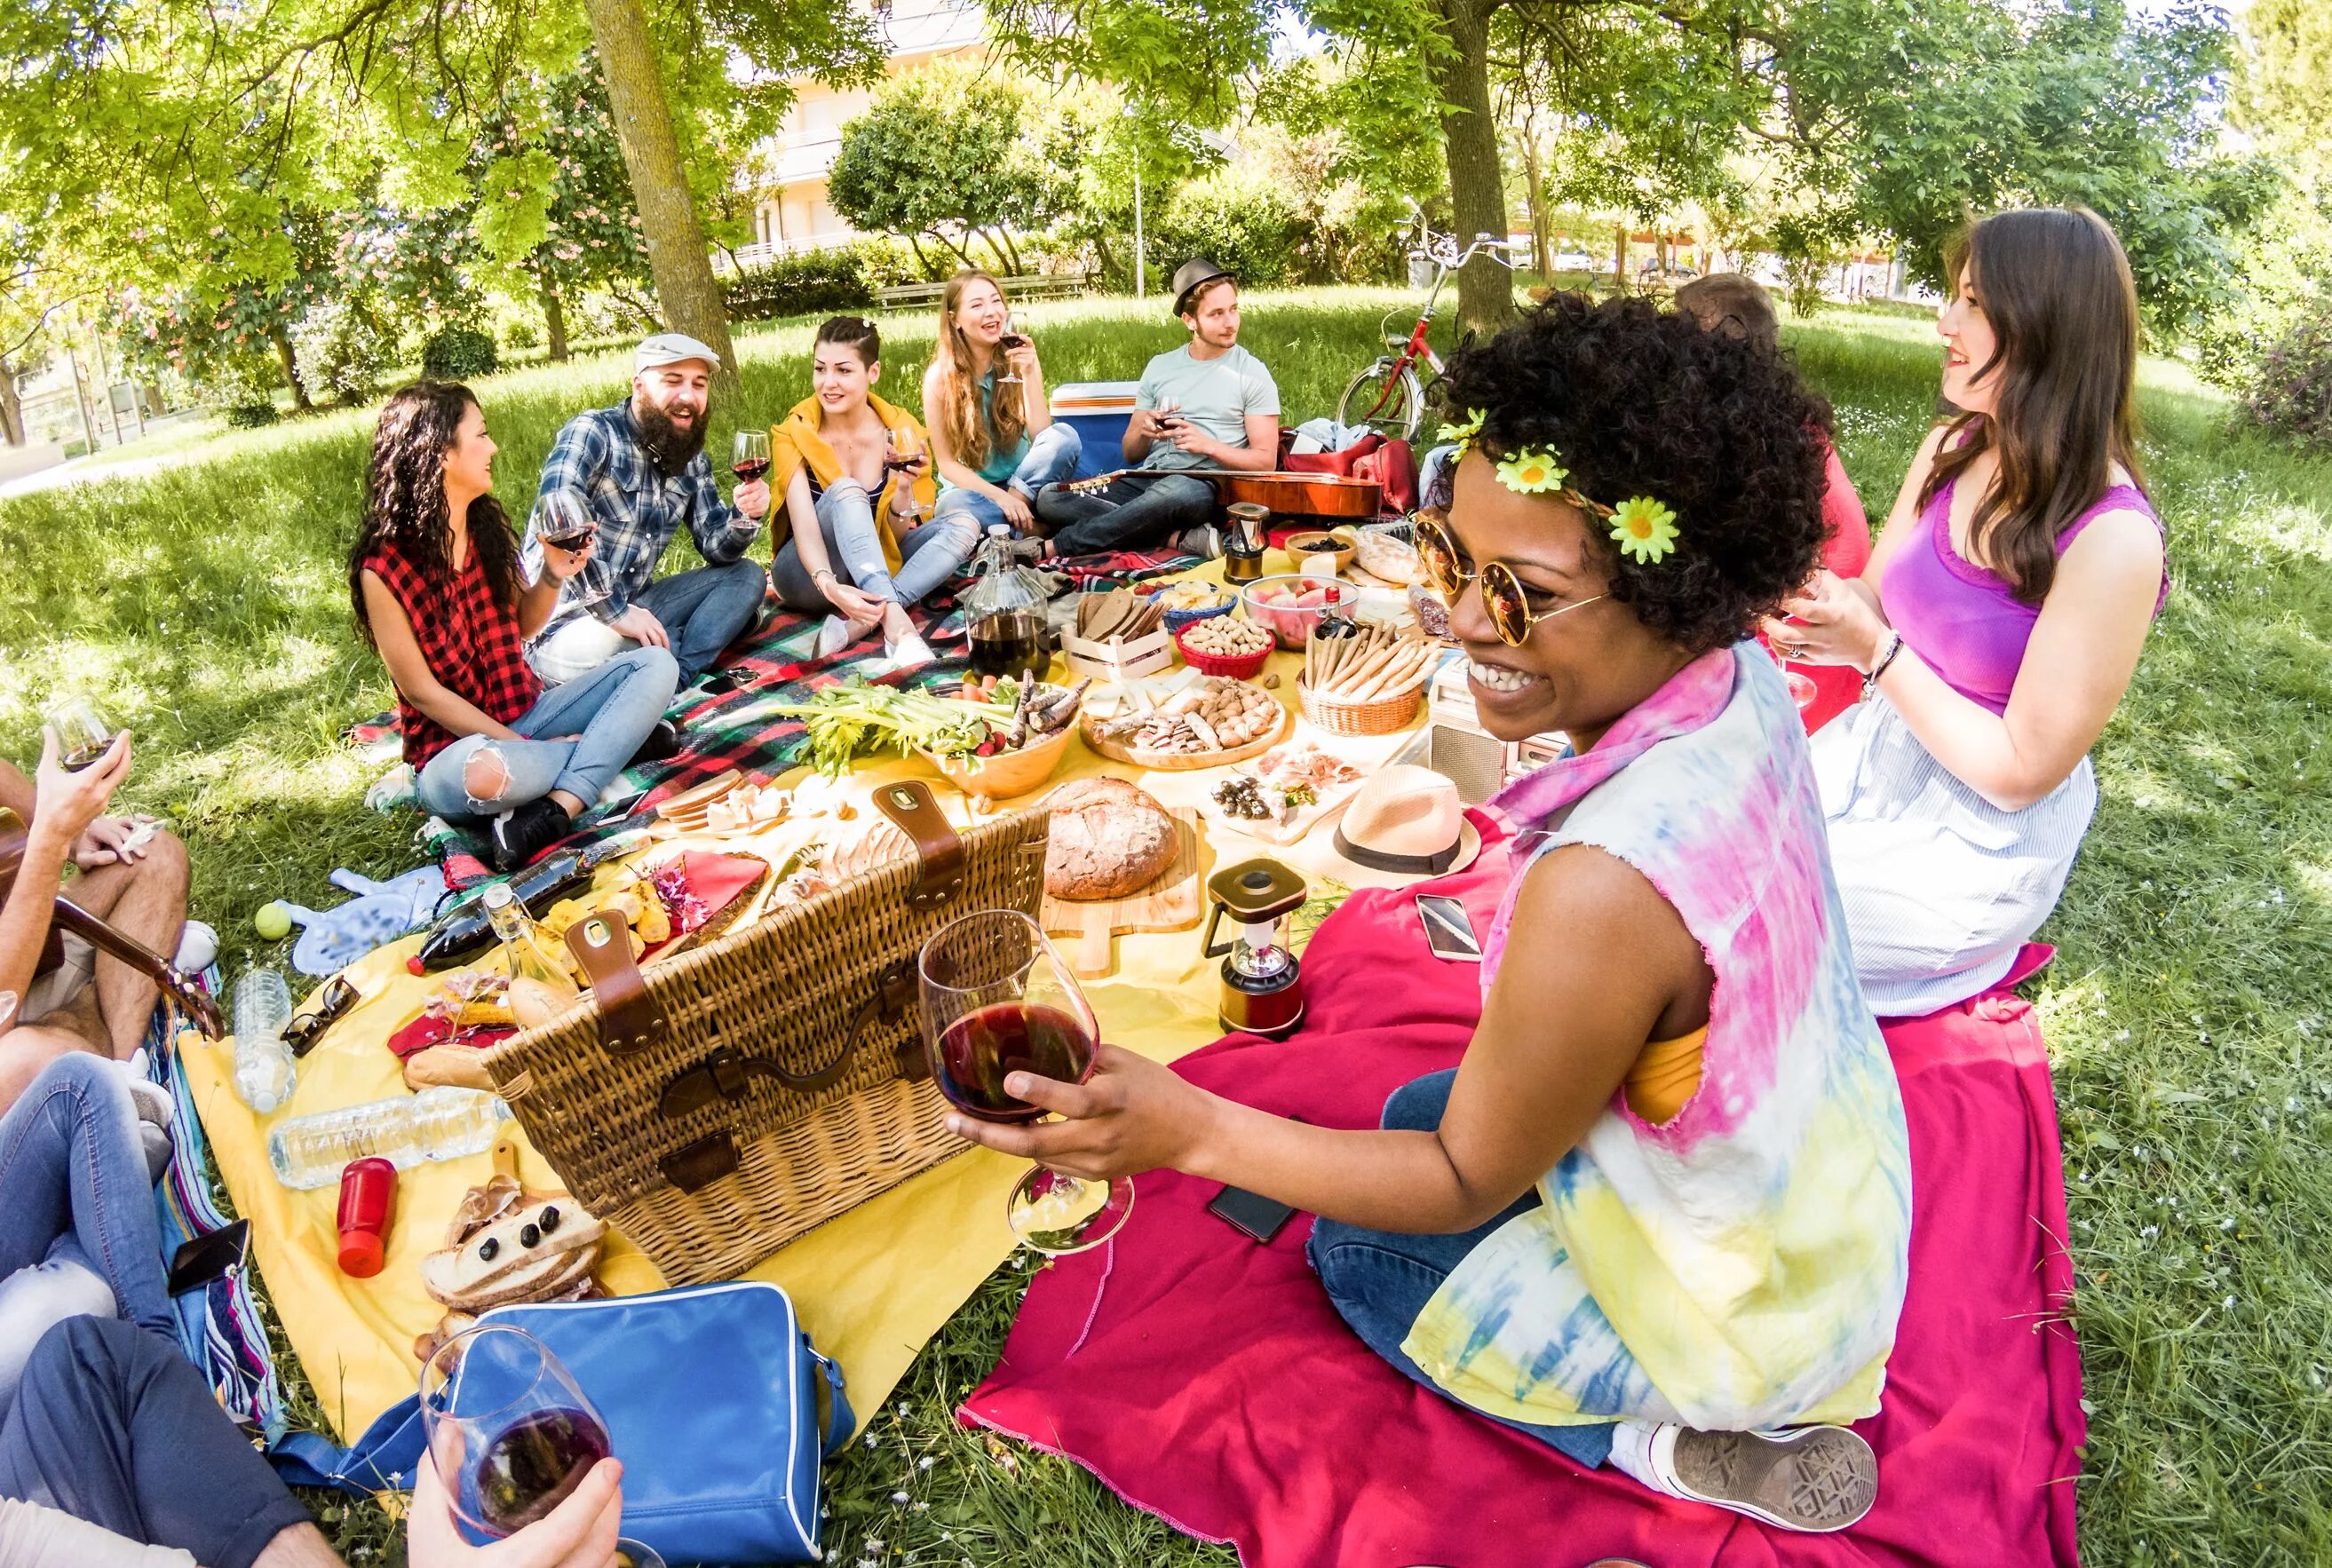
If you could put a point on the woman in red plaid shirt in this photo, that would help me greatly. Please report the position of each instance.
(437, 589)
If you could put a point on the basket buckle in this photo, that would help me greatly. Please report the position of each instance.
(939, 848)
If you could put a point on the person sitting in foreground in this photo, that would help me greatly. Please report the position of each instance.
(1999, 623)
(116, 1456)
(133, 879)
(857, 553)
(1662, 1206)
(1209, 404)
(995, 448)
(640, 471)
(1731, 302)
(436, 586)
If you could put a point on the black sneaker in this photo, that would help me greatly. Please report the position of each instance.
(662, 742)
(526, 831)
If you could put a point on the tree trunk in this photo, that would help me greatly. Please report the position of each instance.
(1470, 134)
(11, 405)
(1542, 249)
(1619, 258)
(931, 274)
(554, 319)
(280, 336)
(678, 256)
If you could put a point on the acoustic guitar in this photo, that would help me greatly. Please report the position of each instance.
(1295, 494)
(68, 916)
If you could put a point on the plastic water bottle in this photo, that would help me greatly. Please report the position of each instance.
(440, 1124)
(264, 1072)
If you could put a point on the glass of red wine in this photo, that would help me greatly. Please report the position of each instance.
(513, 1434)
(1006, 344)
(84, 735)
(997, 1000)
(751, 460)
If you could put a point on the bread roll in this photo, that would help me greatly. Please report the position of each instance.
(1109, 839)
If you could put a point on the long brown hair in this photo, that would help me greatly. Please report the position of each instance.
(405, 498)
(2057, 289)
(968, 436)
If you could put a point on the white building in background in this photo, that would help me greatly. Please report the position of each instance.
(793, 213)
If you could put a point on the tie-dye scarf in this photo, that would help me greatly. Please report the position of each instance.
(1742, 1263)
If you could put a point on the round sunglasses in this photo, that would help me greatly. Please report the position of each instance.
(1503, 596)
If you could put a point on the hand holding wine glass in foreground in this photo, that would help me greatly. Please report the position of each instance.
(580, 1533)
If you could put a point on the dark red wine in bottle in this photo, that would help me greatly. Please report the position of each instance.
(980, 1048)
(1009, 643)
(534, 1464)
(752, 469)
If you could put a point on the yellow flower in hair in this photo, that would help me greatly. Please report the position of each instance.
(1532, 474)
(1463, 434)
(1644, 528)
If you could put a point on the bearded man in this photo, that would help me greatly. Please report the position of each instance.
(639, 472)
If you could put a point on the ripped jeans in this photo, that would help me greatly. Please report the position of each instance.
(930, 554)
(577, 738)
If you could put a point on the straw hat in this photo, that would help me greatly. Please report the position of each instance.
(1408, 819)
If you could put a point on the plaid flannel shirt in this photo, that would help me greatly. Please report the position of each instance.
(598, 456)
(469, 640)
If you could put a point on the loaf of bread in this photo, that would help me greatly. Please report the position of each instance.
(1109, 839)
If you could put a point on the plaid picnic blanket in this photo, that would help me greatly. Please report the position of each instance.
(735, 727)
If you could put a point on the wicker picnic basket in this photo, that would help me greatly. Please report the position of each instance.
(719, 1103)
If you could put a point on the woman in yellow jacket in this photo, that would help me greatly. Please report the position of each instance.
(857, 483)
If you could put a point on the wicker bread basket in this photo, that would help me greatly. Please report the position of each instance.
(1376, 716)
(719, 1104)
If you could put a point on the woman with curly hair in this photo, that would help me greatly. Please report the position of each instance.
(1999, 622)
(1661, 1209)
(436, 586)
(995, 440)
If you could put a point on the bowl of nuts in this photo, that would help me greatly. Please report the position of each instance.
(1225, 645)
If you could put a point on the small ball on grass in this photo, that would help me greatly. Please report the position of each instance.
(273, 921)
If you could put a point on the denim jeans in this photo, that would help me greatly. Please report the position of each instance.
(845, 516)
(114, 1427)
(1051, 458)
(609, 711)
(1380, 1281)
(703, 611)
(1135, 512)
(78, 1234)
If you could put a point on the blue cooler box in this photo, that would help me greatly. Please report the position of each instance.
(1099, 412)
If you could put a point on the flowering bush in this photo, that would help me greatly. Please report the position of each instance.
(342, 349)
(2290, 389)
(458, 353)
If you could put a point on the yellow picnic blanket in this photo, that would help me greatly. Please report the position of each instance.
(872, 1286)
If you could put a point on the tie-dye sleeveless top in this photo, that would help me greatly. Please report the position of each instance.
(1741, 1265)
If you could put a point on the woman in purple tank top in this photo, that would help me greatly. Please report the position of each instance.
(1999, 622)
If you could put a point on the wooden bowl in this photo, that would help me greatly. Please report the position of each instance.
(1007, 773)
(1304, 545)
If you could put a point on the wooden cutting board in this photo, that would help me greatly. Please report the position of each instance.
(1168, 903)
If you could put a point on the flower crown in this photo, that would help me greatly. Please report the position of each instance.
(1641, 526)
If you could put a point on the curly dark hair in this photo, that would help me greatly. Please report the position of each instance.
(405, 497)
(1634, 401)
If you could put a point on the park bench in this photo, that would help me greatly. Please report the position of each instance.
(1035, 286)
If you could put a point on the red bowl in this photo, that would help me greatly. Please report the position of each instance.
(1240, 667)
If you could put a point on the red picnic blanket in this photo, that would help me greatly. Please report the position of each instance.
(1209, 1381)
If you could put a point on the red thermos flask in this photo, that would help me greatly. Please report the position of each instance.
(367, 1209)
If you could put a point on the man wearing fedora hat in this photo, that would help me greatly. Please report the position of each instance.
(640, 473)
(1209, 404)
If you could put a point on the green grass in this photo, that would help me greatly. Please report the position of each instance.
(206, 604)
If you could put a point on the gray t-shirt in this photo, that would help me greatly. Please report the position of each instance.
(1215, 395)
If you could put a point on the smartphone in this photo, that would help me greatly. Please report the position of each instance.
(1251, 1215)
(1448, 933)
(206, 1257)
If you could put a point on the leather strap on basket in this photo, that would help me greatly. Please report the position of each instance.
(629, 1018)
(728, 1074)
(911, 804)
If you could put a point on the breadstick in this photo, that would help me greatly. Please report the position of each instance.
(1398, 676)
(1349, 684)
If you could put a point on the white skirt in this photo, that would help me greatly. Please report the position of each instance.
(1941, 887)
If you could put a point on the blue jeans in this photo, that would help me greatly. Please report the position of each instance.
(114, 1427)
(78, 1234)
(703, 610)
(609, 712)
(1051, 458)
(930, 554)
(1380, 1281)
(1134, 513)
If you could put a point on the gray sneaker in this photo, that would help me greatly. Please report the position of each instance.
(1811, 1478)
(1205, 541)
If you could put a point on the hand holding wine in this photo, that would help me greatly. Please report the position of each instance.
(1014, 346)
(67, 799)
(580, 1533)
(999, 1005)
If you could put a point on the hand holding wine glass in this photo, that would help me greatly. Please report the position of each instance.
(1000, 1010)
(580, 1533)
(1017, 348)
(564, 525)
(66, 799)
(749, 461)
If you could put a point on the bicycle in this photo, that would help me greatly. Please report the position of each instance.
(1388, 397)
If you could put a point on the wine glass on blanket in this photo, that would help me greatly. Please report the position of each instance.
(513, 1434)
(997, 999)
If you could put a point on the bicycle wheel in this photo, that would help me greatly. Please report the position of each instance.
(1386, 398)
